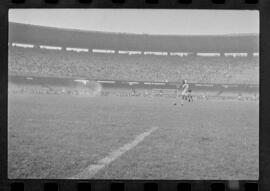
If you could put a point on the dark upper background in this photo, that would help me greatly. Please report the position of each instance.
(25, 33)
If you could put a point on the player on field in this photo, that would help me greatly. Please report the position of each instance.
(184, 93)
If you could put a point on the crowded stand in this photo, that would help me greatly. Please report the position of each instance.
(194, 68)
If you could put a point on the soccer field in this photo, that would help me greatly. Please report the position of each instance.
(60, 136)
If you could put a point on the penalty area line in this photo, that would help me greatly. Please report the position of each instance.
(92, 169)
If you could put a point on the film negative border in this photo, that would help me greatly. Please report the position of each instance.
(146, 1)
(125, 185)
(140, 185)
(183, 4)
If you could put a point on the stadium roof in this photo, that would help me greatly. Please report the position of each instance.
(40, 35)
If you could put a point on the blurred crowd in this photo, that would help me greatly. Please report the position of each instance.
(61, 63)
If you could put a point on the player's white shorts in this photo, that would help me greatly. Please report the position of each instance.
(184, 93)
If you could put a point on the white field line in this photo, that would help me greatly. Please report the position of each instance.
(92, 169)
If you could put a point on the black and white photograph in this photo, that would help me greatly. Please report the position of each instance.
(153, 94)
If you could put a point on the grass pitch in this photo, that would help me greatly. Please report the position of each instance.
(58, 136)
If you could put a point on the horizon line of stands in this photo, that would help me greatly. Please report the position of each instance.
(136, 52)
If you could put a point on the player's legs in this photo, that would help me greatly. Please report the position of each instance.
(182, 100)
(183, 97)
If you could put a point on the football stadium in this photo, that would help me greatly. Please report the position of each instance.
(101, 105)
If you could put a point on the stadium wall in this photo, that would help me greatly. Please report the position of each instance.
(93, 87)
